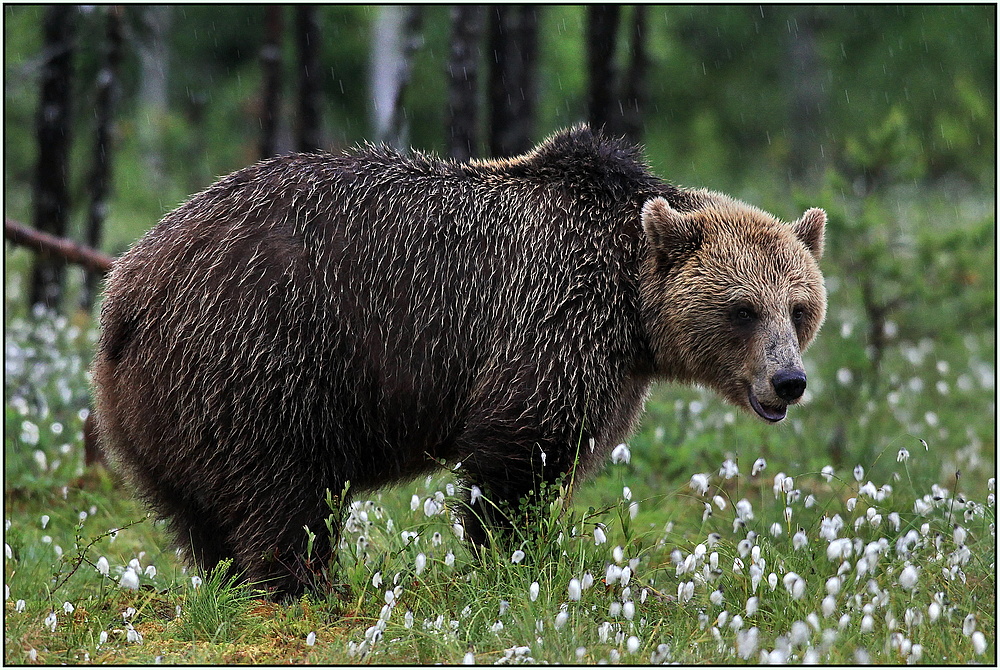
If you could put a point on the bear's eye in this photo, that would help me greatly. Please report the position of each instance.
(743, 315)
(798, 315)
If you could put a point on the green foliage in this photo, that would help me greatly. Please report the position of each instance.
(215, 610)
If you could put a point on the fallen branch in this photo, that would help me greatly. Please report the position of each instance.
(56, 247)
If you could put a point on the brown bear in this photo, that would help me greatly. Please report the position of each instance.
(319, 319)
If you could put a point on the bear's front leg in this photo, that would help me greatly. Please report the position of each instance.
(510, 478)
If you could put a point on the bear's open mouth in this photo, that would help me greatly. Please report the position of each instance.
(772, 414)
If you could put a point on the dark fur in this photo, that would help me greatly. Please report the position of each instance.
(315, 319)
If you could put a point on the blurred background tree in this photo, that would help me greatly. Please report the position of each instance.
(746, 99)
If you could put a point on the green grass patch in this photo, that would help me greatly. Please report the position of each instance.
(860, 530)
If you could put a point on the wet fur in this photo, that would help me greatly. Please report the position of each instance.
(317, 319)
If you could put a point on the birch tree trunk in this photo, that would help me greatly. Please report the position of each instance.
(395, 41)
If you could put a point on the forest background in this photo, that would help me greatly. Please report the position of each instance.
(883, 115)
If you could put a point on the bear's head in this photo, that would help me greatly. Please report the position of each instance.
(731, 297)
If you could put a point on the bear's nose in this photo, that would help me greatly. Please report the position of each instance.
(789, 384)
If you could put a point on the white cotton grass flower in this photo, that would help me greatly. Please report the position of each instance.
(729, 469)
(979, 643)
(574, 589)
(433, 507)
(795, 585)
(68, 607)
(420, 563)
(196, 581)
(311, 639)
(618, 554)
(599, 536)
(720, 502)
(150, 571)
(827, 473)
(752, 604)
(45, 521)
(517, 556)
(561, 620)
(632, 644)
(969, 625)
(414, 502)
(628, 610)
(533, 591)
(19, 606)
(469, 658)
(746, 642)
(50, 621)
(587, 581)
(758, 466)
(867, 623)
(130, 580)
(908, 577)
(799, 540)
(828, 606)
(744, 510)
(475, 493)
(621, 454)
(699, 483)
(102, 566)
(779, 485)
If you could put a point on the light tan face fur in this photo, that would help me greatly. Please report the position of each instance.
(731, 297)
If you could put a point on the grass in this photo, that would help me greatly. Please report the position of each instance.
(860, 530)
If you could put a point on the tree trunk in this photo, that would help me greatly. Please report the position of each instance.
(513, 46)
(805, 90)
(603, 110)
(51, 188)
(635, 91)
(395, 42)
(270, 60)
(463, 81)
(307, 26)
(107, 89)
(154, 59)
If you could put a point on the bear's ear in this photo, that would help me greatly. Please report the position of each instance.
(809, 229)
(672, 235)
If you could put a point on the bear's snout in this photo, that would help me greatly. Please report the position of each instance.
(789, 384)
